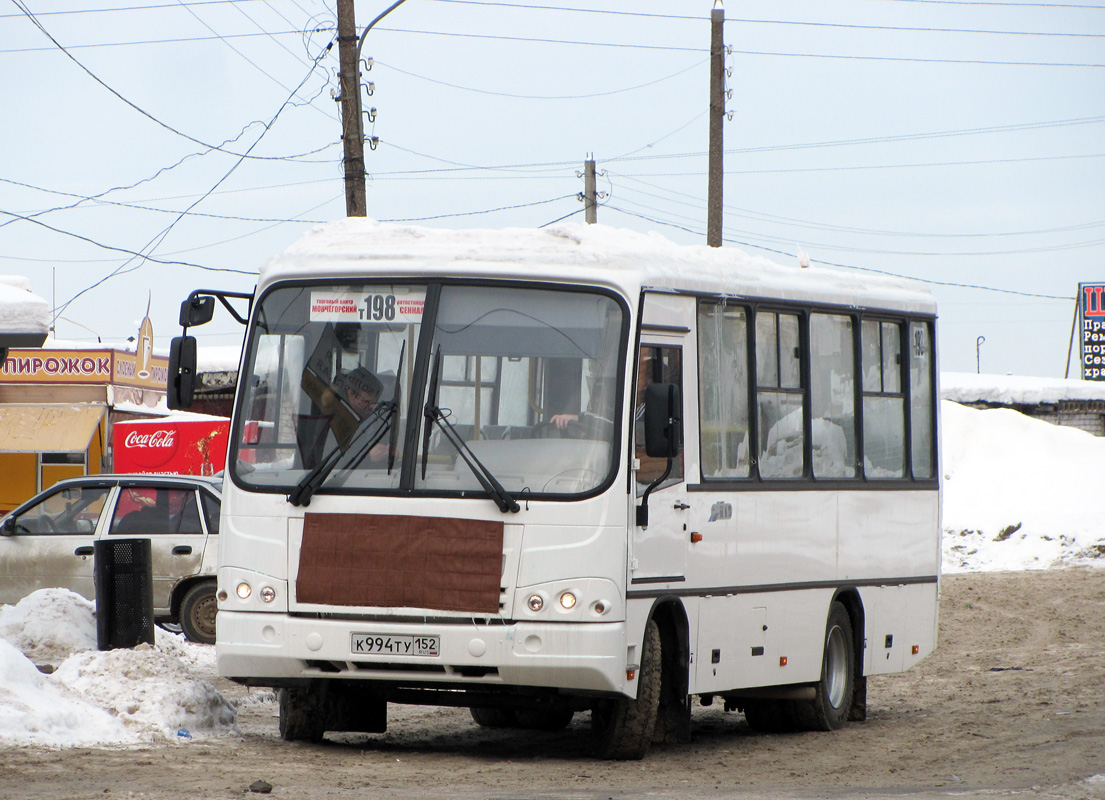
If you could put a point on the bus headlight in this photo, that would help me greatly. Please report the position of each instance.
(567, 601)
(268, 594)
(244, 590)
(535, 602)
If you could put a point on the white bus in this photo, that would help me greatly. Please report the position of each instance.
(541, 472)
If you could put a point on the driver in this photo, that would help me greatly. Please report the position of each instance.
(597, 420)
(360, 388)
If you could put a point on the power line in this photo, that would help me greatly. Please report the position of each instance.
(483, 211)
(561, 219)
(173, 40)
(700, 204)
(19, 4)
(868, 140)
(673, 48)
(624, 45)
(73, 11)
(127, 251)
(541, 96)
(862, 167)
(153, 243)
(750, 21)
(928, 281)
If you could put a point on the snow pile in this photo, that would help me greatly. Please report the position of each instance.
(1019, 493)
(20, 310)
(1015, 390)
(116, 697)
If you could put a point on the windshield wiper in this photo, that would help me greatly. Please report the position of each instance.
(434, 415)
(371, 430)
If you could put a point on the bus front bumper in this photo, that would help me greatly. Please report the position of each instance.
(268, 649)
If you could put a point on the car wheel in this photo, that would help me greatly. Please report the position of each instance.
(197, 613)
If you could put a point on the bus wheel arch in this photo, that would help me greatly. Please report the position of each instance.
(673, 722)
(624, 728)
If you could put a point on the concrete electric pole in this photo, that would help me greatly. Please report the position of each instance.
(717, 116)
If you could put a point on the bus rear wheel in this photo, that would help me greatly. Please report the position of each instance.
(622, 728)
(828, 710)
(494, 717)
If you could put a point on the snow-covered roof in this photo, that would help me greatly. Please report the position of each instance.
(622, 259)
(219, 358)
(1016, 390)
(22, 311)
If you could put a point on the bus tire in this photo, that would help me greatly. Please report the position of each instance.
(494, 717)
(832, 702)
(198, 610)
(622, 729)
(302, 715)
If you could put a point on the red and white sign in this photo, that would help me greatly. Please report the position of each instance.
(176, 447)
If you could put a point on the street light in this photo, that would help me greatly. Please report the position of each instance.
(978, 354)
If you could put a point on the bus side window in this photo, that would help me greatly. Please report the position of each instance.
(833, 395)
(883, 401)
(921, 398)
(655, 365)
(723, 382)
(779, 395)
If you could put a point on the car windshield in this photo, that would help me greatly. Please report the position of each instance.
(71, 509)
(523, 381)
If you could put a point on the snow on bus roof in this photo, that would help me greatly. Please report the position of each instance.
(599, 253)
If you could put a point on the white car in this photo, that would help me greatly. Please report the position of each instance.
(49, 541)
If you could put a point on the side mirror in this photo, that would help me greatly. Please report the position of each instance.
(8, 528)
(182, 372)
(197, 310)
(663, 420)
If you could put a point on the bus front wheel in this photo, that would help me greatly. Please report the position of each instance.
(302, 715)
(622, 729)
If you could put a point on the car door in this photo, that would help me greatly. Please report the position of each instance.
(49, 541)
(169, 515)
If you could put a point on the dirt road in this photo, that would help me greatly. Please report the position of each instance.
(1012, 703)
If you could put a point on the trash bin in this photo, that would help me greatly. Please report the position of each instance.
(123, 572)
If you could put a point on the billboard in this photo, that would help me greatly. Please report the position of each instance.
(1091, 310)
(171, 446)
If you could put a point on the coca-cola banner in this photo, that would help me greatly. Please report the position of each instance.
(171, 446)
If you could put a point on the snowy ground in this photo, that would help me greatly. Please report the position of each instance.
(1018, 494)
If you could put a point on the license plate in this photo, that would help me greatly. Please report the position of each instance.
(374, 644)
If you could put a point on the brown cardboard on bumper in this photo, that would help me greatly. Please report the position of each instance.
(390, 561)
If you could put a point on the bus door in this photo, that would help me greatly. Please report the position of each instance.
(659, 550)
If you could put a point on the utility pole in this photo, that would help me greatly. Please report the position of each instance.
(590, 197)
(717, 115)
(352, 129)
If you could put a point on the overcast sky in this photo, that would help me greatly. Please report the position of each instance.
(954, 142)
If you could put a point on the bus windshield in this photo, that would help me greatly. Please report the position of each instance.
(424, 388)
